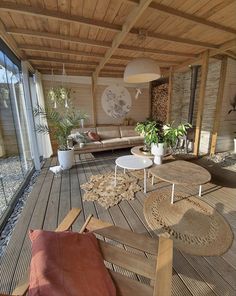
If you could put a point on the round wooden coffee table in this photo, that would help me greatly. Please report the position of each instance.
(137, 152)
(181, 172)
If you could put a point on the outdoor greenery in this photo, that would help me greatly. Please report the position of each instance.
(156, 132)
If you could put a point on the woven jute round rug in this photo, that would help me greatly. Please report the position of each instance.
(101, 188)
(195, 227)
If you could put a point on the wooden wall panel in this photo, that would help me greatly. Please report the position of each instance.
(227, 121)
(140, 109)
(81, 94)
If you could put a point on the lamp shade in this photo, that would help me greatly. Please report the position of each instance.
(142, 70)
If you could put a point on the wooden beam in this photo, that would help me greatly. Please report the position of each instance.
(57, 15)
(158, 51)
(191, 18)
(51, 36)
(69, 52)
(11, 43)
(222, 48)
(82, 53)
(65, 61)
(58, 37)
(200, 107)
(231, 54)
(173, 38)
(170, 86)
(94, 97)
(61, 61)
(219, 101)
(126, 27)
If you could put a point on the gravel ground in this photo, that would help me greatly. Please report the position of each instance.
(7, 231)
(226, 160)
(12, 175)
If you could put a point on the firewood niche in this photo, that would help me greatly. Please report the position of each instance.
(159, 99)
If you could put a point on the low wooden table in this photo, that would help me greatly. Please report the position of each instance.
(181, 172)
(137, 152)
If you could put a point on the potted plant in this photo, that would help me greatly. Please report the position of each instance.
(61, 122)
(155, 135)
(172, 134)
(142, 128)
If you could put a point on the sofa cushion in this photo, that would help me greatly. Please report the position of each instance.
(114, 142)
(128, 131)
(134, 140)
(108, 132)
(94, 136)
(83, 130)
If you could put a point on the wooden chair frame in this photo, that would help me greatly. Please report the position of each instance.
(149, 257)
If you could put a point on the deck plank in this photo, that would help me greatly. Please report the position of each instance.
(52, 197)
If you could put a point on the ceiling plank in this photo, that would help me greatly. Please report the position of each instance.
(51, 36)
(222, 48)
(65, 61)
(59, 50)
(10, 41)
(126, 27)
(167, 10)
(157, 51)
(175, 39)
(117, 57)
(83, 53)
(57, 15)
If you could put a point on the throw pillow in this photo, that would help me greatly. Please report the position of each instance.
(67, 263)
(93, 136)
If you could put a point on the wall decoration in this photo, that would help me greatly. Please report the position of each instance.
(116, 101)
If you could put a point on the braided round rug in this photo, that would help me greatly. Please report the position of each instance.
(195, 227)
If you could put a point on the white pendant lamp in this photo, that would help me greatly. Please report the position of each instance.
(142, 70)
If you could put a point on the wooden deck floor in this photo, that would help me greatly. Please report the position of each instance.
(52, 197)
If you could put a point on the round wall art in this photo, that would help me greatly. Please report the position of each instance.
(116, 101)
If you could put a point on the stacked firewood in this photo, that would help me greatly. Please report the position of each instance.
(159, 99)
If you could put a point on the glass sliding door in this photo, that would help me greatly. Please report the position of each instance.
(15, 148)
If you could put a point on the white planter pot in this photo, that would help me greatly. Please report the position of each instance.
(66, 159)
(158, 150)
(235, 145)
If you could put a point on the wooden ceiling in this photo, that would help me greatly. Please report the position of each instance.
(101, 36)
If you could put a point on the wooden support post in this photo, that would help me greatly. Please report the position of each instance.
(204, 71)
(216, 123)
(94, 89)
(169, 94)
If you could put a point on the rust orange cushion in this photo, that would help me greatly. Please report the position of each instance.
(93, 136)
(67, 263)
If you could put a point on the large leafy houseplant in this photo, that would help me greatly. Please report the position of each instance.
(60, 124)
(173, 133)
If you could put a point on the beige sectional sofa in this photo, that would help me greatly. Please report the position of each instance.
(112, 137)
